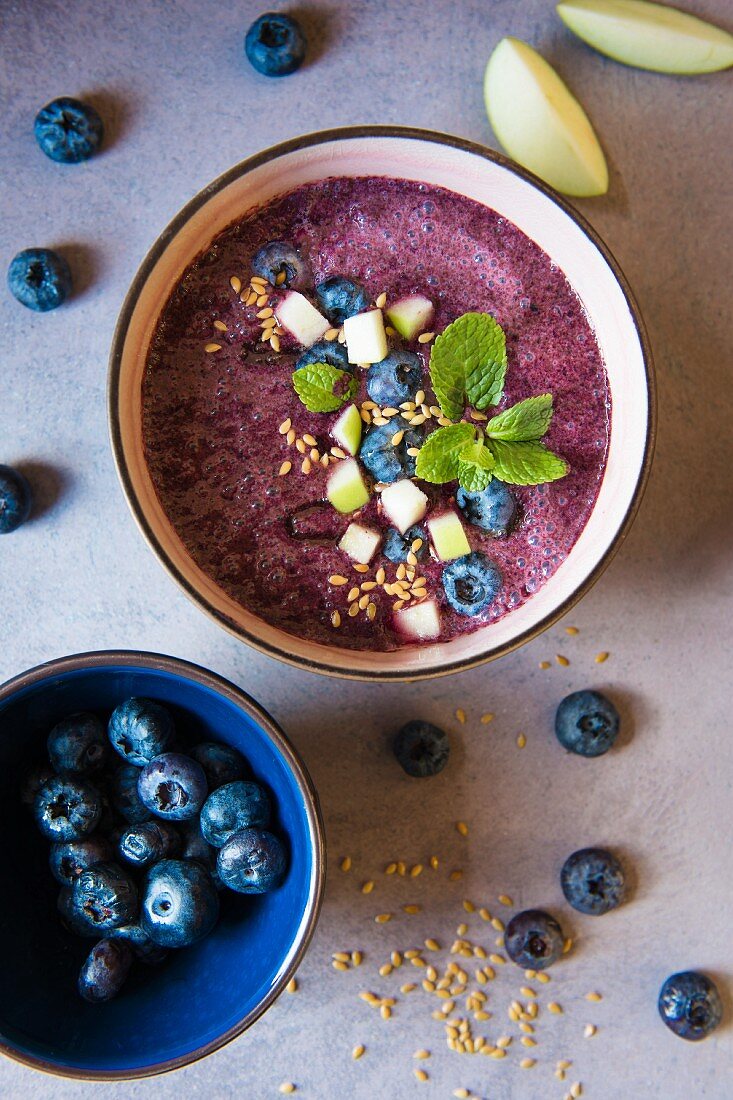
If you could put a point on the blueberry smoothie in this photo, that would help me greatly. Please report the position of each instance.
(376, 414)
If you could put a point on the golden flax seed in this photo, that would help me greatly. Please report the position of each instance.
(280, 278)
(397, 437)
(356, 958)
(527, 1063)
(266, 314)
(341, 956)
(526, 1028)
(380, 420)
(432, 945)
(290, 437)
(521, 741)
(389, 412)
(416, 870)
(385, 1011)
(497, 960)
(382, 918)
(235, 283)
(212, 347)
(461, 715)
(601, 657)
(527, 1041)
(315, 455)
(498, 924)
(306, 465)
(337, 965)
(358, 1051)
(285, 468)
(353, 610)
(455, 876)
(381, 301)
(527, 992)
(292, 986)
(249, 297)
(359, 568)
(412, 909)
(385, 970)
(262, 299)
(543, 978)
(434, 863)
(287, 1088)
(425, 337)
(544, 664)
(367, 887)
(353, 594)
(421, 1074)
(589, 1031)
(562, 661)
(554, 1008)
(462, 828)
(330, 334)
(595, 997)
(576, 1090)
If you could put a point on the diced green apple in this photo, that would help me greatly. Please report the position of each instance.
(366, 341)
(649, 36)
(345, 488)
(360, 542)
(403, 504)
(296, 314)
(449, 538)
(347, 430)
(411, 316)
(420, 622)
(540, 123)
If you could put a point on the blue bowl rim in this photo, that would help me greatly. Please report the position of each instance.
(187, 670)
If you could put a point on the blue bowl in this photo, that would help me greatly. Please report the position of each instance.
(201, 997)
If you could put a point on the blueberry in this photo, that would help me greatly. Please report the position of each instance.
(494, 510)
(68, 131)
(16, 499)
(340, 298)
(395, 379)
(593, 881)
(67, 808)
(231, 808)
(68, 858)
(125, 797)
(72, 920)
(33, 783)
(144, 844)
(275, 44)
(421, 748)
(180, 903)
(280, 258)
(140, 729)
(105, 896)
(587, 723)
(78, 745)
(221, 763)
(396, 547)
(142, 946)
(104, 970)
(326, 351)
(533, 939)
(690, 1005)
(471, 583)
(39, 278)
(193, 844)
(384, 461)
(252, 861)
(172, 786)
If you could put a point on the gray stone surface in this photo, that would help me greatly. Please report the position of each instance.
(181, 105)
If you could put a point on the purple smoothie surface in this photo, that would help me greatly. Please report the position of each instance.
(211, 419)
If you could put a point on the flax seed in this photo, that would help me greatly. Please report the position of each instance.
(601, 657)
(544, 664)
(330, 334)
(554, 1008)
(290, 437)
(356, 958)
(381, 301)
(353, 610)
(280, 278)
(359, 568)
(306, 466)
(287, 1088)
(562, 661)
(212, 347)
(595, 997)
(397, 437)
(412, 909)
(461, 716)
(462, 828)
(382, 918)
(292, 986)
(285, 468)
(385, 1011)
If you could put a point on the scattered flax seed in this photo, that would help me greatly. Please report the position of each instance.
(461, 1094)
(417, 420)
(416, 870)
(567, 946)
(381, 301)
(601, 657)
(364, 602)
(432, 945)
(324, 460)
(236, 284)
(425, 337)
(342, 336)
(421, 1075)
(385, 970)
(285, 426)
(527, 992)
(397, 437)
(462, 828)
(353, 610)
(366, 416)
(434, 862)
(455, 876)
(484, 913)
(262, 300)
(572, 631)
(389, 330)
(337, 579)
(527, 1063)
(396, 958)
(309, 440)
(300, 446)
(497, 960)
(589, 1031)
(497, 923)
(398, 605)
(338, 965)
(212, 347)
(266, 314)
(411, 953)
(461, 716)
(367, 887)
(521, 741)
(562, 661)
(421, 1055)
(292, 986)
(368, 586)
(526, 1028)
(527, 1041)
(280, 278)
(353, 594)
(595, 997)
(358, 1051)
(306, 465)
(220, 326)
(469, 907)
(359, 568)
(497, 1053)
(380, 576)
(563, 1064)
(285, 469)
(408, 987)
(287, 1088)
(576, 1090)
(258, 280)
(290, 437)
(544, 978)
(411, 909)
(385, 1011)
(380, 420)
(330, 334)
(554, 1008)
(413, 452)
(389, 412)
(248, 297)
(486, 718)
(356, 958)
(315, 455)
(503, 1041)
(382, 918)
(341, 956)
(479, 416)
(346, 863)
(544, 664)
(419, 397)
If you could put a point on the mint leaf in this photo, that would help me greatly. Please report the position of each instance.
(475, 464)
(526, 462)
(468, 360)
(438, 459)
(315, 385)
(529, 419)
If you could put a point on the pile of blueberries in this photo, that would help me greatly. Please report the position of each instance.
(141, 848)
(593, 880)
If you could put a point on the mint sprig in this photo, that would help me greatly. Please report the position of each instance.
(440, 454)
(526, 462)
(468, 363)
(527, 420)
(315, 385)
(475, 467)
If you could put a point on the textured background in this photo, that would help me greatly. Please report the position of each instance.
(181, 105)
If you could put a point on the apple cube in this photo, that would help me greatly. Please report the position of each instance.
(347, 430)
(411, 316)
(360, 542)
(403, 504)
(366, 341)
(449, 538)
(345, 488)
(421, 621)
(296, 314)
(540, 123)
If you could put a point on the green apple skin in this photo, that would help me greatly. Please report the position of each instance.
(347, 430)
(411, 316)
(449, 538)
(346, 489)
(540, 123)
(649, 36)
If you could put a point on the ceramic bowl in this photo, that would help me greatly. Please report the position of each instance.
(490, 179)
(200, 997)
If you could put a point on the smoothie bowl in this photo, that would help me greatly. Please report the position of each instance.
(180, 979)
(382, 403)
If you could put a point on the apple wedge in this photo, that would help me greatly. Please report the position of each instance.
(420, 622)
(345, 488)
(366, 340)
(649, 36)
(403, 504)
(360, 542)
(449, 538)
(296, 314)
(540, 123)
(347, 430)
(411, 316)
